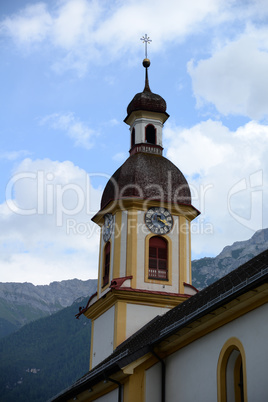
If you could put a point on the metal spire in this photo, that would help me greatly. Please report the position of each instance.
(146, 39)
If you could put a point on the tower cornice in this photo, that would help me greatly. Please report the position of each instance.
(126, 204)
(137, 114)
(135, 296)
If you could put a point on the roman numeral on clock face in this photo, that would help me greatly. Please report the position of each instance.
(158, 220)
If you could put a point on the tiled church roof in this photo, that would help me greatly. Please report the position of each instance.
(248, 276)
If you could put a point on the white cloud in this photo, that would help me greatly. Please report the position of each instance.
(78, 131)
(234, 78)
(46, 223)
(120, 157)
(13, 155)
(85, 30)
(74, 22)
(30, 25)
(228, 175)
(208, 137)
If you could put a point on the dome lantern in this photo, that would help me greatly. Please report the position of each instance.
(146, 115)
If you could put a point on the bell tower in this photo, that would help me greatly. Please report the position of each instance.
(145, 244)
(146, 115)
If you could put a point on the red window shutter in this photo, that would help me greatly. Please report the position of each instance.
(158, 258)
(106, 264)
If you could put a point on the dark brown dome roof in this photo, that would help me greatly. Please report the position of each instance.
(147, 100)
(147, 176)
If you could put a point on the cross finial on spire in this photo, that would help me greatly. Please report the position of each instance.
(146, 39)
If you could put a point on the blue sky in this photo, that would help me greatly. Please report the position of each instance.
(69, 68)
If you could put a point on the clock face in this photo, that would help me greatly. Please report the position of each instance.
(158, 220)
(107, 227)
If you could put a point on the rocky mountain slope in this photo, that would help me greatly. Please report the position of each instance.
(207, 270)
(21, 303)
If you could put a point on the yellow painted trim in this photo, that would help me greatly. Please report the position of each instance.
(134, 388)
(99, 270)
(183, 256)
(132, 225)
(129, 369)
(230, 345)
(190, 255)
(91, 345)
(141, 298)
(120, 323)
(117, 244)
(146, 262)
(142, 205)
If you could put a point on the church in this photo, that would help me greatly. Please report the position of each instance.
(155, 337)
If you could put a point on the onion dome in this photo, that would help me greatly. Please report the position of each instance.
(147, 176)
(147, 100)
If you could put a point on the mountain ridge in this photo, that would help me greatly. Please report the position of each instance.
(21, 303)
(208, 269)
(49, 354)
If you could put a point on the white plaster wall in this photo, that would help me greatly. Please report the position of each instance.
(140, 125)
(192, 371)
(139, 315)
(142, 232)
(103, 336)
(123, 246)
(141, 235)
(110, 397)
(153, 384)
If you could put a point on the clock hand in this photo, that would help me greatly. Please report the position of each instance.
(162, 220)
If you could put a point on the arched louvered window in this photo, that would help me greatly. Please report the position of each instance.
(158, 258)
(231, 374)
(106, 268)
(133, 137)
(150, 134)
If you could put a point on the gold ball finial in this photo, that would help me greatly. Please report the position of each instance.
(146, 63)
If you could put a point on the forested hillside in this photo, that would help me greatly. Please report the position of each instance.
(21, 303)
(45, 356)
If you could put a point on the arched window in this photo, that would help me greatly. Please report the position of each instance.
(133, 137)
(106, 268)
(158, 258)
(150, 135)
(231, 372)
